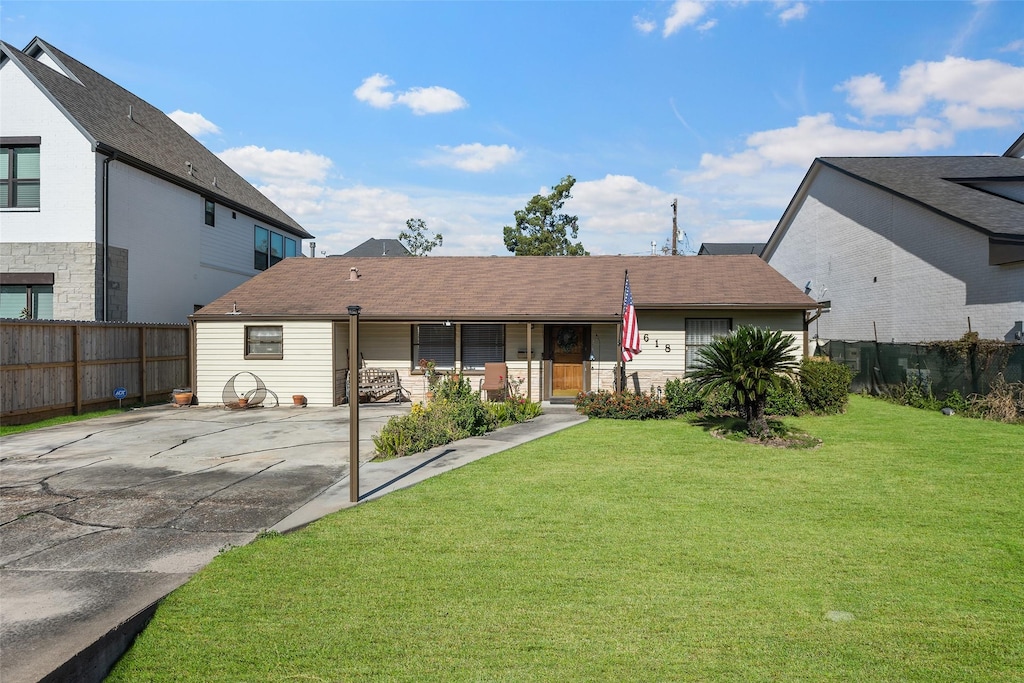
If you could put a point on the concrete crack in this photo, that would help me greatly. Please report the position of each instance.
(191, 507)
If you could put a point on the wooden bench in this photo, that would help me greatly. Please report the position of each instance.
(375, 384)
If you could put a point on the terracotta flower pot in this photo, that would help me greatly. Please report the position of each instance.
(182, 398)
(298, 400)
(242, 402)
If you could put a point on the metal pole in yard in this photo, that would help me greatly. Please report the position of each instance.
(353, 403)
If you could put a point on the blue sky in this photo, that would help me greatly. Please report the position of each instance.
(354, 117)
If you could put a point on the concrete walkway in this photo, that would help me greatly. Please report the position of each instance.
(100, 519)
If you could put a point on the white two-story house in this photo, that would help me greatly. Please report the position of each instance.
(109, 210)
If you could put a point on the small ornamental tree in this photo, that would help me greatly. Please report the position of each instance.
(748, 364)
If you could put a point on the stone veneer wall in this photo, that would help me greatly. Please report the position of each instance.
(77, 282)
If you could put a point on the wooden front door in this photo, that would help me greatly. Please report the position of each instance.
(567, 346)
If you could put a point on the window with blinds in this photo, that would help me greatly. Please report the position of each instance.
(699, 333)
(264, 342)
(19, 184)
(434, 343)
(482, 344)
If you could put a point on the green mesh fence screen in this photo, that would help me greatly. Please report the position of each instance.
(877, 366)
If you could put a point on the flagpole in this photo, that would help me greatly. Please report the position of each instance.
(618, 329)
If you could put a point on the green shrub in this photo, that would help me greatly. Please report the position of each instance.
(513, 411)
(683, 396)
(956, 401)
(915, 394)
(786, 400)
(455, 413)
(622, 406)
(825, 386)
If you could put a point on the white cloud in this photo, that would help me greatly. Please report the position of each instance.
(278, 165)
(474, 157)
(195, 124)
(707, 25)
(430, 100)
(791, 11)
(644, 25)
(1015, 46)
(618, 214)
(966, 117)
(372, 91)
(982, 84)
(683, 13)
(818, 135)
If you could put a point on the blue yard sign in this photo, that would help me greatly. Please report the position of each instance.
(120, 393)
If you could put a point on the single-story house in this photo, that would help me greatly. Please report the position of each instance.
(555, 321)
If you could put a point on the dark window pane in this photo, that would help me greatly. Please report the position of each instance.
(437, 343)
(261, 261)
(482, 344)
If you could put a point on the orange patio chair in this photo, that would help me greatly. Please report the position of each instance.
(495, 380)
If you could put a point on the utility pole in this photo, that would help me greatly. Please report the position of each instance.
(675, 227)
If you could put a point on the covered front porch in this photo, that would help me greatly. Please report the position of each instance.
(545, 361)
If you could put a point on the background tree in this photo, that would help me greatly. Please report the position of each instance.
(748, 363)
(417, 240)
(540, 229)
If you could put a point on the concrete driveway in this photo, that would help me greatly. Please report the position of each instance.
(100, 519)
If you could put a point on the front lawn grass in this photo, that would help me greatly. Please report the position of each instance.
(63, 419)
(640, 551)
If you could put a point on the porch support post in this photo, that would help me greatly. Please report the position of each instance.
(529, 361)
(353, 403)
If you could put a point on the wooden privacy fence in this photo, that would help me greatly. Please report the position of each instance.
(58, 368)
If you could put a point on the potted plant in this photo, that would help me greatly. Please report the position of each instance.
(182, 397)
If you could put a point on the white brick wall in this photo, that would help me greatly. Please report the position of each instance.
(67, 188)
(888, 264)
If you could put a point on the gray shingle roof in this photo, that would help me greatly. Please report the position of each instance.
(507, 288)
(376, 247)
(726, 248)
(943, 185)
(147, 139)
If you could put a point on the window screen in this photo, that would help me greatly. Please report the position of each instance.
(699, 333)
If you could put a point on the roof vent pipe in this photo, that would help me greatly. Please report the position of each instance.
(353, 274)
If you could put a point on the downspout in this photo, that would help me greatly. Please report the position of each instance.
(105, 231)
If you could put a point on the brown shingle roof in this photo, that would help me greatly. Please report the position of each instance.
(492, 288)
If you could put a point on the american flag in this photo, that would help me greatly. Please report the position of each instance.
(630, 330)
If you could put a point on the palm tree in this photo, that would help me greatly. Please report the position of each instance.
(748, 363)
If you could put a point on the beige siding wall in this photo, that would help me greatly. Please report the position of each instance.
(313, 349)
(663, 343)
(305, 368)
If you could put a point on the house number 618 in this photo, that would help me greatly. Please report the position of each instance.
(668, 347)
